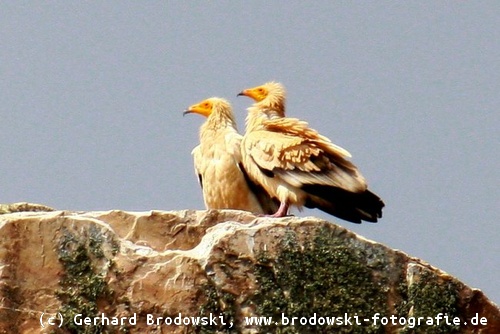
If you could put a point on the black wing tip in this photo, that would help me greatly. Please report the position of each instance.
(349, 206)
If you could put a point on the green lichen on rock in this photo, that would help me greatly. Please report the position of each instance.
(402, 307)
(429, 296)
(217, 303)
(325, 277)
(82, 286)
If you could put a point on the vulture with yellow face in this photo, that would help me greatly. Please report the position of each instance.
(217, 161)
(300, 167)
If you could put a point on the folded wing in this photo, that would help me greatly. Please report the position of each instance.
(303, 161)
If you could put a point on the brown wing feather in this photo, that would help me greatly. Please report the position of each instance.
(296, 127)
(299, 160)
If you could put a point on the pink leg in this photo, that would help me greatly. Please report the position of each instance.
(282, 210)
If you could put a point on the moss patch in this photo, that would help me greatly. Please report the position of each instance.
(217, 303)
(325, 277)
(429, 296)
(82, 286)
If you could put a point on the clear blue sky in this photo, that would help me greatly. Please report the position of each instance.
(92, 95)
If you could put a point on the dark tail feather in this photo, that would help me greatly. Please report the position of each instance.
(353, 207)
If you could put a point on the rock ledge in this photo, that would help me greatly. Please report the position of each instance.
(227, 265)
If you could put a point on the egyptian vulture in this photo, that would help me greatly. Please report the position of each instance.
(217, 162)
(300, 167)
